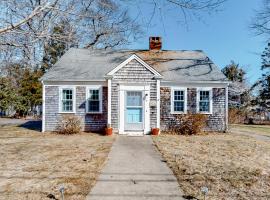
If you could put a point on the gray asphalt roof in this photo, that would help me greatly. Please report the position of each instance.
(86, 64)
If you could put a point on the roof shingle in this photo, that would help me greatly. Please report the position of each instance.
(85, 65)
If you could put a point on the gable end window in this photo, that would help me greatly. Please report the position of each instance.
(67, 100)
(204, 104)
(94, 99)
(178, 100)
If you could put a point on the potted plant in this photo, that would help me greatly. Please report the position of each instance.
(155, 131)
(108, 130)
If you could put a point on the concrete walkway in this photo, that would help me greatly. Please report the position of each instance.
(135, 170)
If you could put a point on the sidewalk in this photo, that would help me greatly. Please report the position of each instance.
(134, 171)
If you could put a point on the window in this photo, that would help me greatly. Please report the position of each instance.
(94, 103)
(204, 101)
(178, 103)
(67, 100)
(134, 107)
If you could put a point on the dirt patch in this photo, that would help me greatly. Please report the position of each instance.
(34, 165)
(232, 167)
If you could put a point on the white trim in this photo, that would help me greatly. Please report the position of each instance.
(227, 108)
(172, 99)
(193, 84)
(75, 83)
(134, 87)
(109, 119)
(73, 88)
(94, 87)
(43, 107)
(158, 103)
(194, 81)
(111, 73)
(146, 92)
(210, 99)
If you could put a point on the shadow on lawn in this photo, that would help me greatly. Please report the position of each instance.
(32, 125)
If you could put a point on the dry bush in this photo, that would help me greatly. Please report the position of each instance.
(69, 125)
(188, 124)
(236, 116)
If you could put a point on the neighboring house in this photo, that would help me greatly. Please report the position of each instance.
(134, 90)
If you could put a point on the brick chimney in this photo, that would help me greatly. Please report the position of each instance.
(155, 43)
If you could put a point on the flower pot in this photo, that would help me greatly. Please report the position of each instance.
(155, 131)
(108, 131)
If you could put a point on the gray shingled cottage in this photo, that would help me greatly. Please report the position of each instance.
(134, 90)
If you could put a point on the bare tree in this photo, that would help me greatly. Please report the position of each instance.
(261, 21)
(26, 26)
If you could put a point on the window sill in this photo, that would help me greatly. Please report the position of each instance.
(66, 112)
(175, 113)
(205, 113)
(93, 112)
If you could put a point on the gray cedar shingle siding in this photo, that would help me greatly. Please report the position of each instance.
(215, 122)
(133, 72)
(51, 107)
(90, 122)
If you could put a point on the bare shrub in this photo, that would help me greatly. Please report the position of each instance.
(236, 115)
(69, 125)
(188, 124)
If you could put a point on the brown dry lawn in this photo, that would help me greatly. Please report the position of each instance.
(34, 165)
(256, 129)
(231, 166)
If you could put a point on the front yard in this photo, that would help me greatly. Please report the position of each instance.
(33, 165)
(231, 166)
(255, 129)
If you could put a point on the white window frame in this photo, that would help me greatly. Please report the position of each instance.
(210, 100)
(172, 100)
(73, 88)
(94, 87)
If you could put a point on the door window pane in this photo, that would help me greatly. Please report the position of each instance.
(134, 98)
(134, 115)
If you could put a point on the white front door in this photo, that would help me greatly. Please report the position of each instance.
(134, 116)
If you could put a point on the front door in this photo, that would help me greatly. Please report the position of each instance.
(134, 109)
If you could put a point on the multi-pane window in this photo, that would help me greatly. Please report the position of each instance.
(134, 107)
(179, 101)
(94, 100)
(67, 100)
(204, 101)
(178, 97)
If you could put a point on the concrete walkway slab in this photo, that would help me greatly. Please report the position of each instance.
(135, 170)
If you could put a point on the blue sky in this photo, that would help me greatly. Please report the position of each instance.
(224, 35)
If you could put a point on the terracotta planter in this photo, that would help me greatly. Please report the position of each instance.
(155, 131)
(108, 131)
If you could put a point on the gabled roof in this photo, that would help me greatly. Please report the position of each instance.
(134, 57)
(179, 66)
